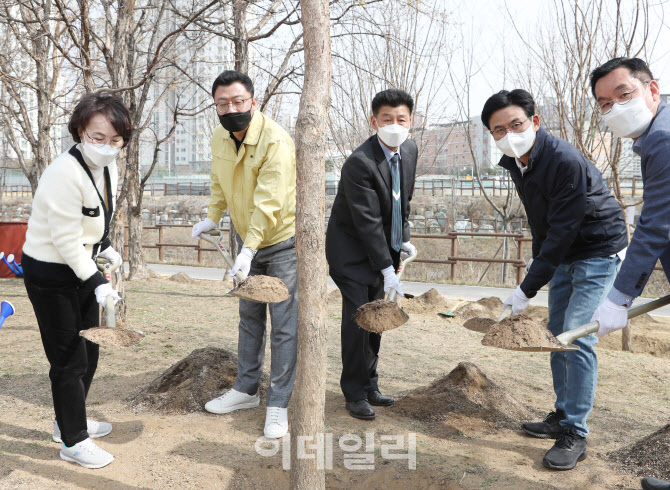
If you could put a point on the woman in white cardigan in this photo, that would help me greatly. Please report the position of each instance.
(68, 228)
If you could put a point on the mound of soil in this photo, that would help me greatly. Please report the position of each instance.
(649, 456)
(643, 319)
(465, 391)
(181, 277)
(187, 385)
(519, 331)
(266, 289)
(152, 274)
(430, 301)
(483, 308)
(477, 324)
(334, 295)
(380, 315)
(538, 313)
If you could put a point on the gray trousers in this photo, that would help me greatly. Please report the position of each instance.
(280, 261)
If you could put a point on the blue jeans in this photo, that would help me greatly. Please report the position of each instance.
(575, 292)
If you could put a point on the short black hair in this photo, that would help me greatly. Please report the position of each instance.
(392, 97)
(110, 106)
(506, 98)
(229, 77)
(638, 69)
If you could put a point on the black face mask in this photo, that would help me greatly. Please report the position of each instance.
(235, 121)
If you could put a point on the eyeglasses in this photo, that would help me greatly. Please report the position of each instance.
(607, 105)
(222, 107)
(101, 140)
(514, 128)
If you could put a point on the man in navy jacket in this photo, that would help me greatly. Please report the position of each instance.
(630, 104)
(578, 231)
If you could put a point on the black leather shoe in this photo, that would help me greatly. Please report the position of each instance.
(378, 400)
(360, 409)
(649, 483)
(568, 450)
(550, 427)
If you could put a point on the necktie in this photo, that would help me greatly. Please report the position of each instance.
(396, 223)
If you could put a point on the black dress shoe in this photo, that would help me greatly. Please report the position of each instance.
(360, 409)
(550, 427)
(568, 450)
(649, 483)
(378, 400)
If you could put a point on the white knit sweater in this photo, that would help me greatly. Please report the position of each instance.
(58, 230)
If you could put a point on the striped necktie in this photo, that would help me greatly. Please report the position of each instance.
(396, 223)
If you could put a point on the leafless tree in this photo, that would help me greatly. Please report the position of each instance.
(307, 415)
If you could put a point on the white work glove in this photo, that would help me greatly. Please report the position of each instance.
(407, 250)
(104, 290)
(243, 262)
(205, 225)
(517, 300)
(391, 281)
(112, 255)
(528, 266)
(610, 316)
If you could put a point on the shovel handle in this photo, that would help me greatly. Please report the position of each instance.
(592, 327)
(208, 236)
(506, 313)
(401, 268)
(109, 311)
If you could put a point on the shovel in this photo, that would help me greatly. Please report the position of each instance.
(113, 335)
(256, 288)
(564, 340)
(382, 315)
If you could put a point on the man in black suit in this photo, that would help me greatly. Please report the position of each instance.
(367, 231)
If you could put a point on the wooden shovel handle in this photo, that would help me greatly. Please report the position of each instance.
(592, 327)
(208, 236)
(401, 268)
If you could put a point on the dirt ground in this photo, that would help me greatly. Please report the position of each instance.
(460, 450)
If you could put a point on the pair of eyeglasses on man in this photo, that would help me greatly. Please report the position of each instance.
(515, 127)
(101, 140)
(606, 106)
(238, 105)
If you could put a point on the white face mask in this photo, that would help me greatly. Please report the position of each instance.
(393, 135)
(629, 120)
(517, 144)
(99, 155)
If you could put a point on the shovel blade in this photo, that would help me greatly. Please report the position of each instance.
(565, 348)
(112, 336)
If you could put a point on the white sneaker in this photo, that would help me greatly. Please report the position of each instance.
(276, 422)
(87, 454)
(95, 429)
(232, 400)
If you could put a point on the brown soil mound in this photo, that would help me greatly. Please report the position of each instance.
(538, 313)
(187, 385)
(492, 303)
(265, 289)
(483, 308)
(152, 274)
(519, 331)
(112, 337)
(649, 456)
(380, 315)
(644, 319)
(334, 296)
(181, 277)
(464, 391)
(428, 302)
(477, 324)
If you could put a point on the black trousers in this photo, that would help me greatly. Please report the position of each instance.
(64, 307)
(360, 348)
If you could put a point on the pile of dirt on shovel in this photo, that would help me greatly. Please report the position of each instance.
(464, 392)
(483, 324)
(380, 315)
(429, 302)
(519, 331)
(649, 456)
(266, 289)
(483, 308)
(190, 383)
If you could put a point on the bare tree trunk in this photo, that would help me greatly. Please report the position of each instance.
(137, 265)
(307, 415)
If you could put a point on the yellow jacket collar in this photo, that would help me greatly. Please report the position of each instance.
(253, 133)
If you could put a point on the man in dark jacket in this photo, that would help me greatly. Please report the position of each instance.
(367, 231)
(630, 104)
(578, 232)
